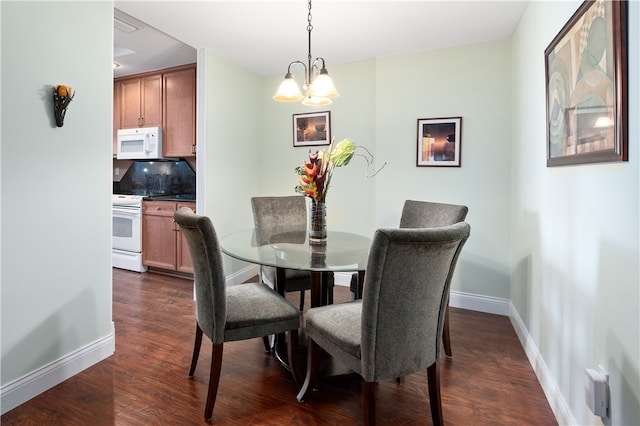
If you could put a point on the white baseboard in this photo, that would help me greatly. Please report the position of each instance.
(556, 401)
(24, 388)
(243, 275)
(480, 303)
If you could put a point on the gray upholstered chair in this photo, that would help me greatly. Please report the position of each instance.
(396, 328)
(238, 312)
(425, 214)
(277, 215)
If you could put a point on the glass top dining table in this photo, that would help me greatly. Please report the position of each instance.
(342, 252)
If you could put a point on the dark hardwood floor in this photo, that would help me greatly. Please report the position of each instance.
(488, 381)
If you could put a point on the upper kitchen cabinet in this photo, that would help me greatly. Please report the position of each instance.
(164, 98)
(141, 102)
(179, 121)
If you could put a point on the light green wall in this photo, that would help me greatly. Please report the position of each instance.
(471, 82)
(575, 232)
(232, 157)
(56, 261)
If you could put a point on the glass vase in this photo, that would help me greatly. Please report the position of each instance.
(317, 222)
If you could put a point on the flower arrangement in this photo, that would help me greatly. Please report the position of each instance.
(315, 174)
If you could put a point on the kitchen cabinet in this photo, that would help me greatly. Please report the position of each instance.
(165, 98)
(163, 245)
(179, 113)
(141, 102)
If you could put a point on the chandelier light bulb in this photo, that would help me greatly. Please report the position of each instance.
(316, 101)
(323, 86)
(288, 90)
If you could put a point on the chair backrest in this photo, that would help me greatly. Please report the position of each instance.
(277, 215)
(405, 297)
(208, 272)
(425, 214)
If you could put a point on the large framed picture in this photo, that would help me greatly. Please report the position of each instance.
(313, 128)
(586, 84)
(439, 142)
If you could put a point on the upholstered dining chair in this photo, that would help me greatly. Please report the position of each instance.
(229, 313)
(426, 214)
(277, 215)
(396, 328)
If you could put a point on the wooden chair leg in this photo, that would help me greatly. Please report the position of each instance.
(196, 350)
(302, 300)
(313, 364)
(292, 355)
(369, 401)
(446, 340)
(267, 344)
(433, 378)
(214, 380)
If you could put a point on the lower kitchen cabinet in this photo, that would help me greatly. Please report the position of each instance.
(163, 245)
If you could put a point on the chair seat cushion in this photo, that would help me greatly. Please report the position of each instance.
(254, 310)
(337, 328)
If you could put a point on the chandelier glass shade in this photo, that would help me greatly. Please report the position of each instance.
(318, 86)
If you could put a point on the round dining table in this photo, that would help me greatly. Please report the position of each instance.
(342, 252)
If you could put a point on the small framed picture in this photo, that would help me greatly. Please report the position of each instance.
(439, 142)
(311, 129)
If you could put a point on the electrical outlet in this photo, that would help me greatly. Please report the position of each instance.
(116, 171)
(596, 391)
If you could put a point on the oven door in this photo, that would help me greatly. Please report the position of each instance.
(127, 228)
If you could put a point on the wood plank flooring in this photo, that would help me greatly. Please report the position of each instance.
(488, 381)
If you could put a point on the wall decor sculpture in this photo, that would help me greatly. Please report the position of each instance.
(62, 97)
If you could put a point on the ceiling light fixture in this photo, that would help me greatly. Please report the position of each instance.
(317, 84)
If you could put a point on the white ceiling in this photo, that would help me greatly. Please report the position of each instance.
(264, 36)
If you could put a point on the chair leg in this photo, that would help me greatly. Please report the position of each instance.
(446, 340)
(214, 380)
(196, 350)
(313, 364)
(302, 300)
(369, 401)
(292, 355)
(267, 344)
(433, 378)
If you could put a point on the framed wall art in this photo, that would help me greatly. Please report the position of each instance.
(313, 128)
(439, 142)
(586, 86)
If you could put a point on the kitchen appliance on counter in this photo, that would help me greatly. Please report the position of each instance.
(127, 232)
(139, 143)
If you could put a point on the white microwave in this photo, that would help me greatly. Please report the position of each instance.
(139, 144)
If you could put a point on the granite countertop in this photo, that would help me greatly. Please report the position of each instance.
(172, 197)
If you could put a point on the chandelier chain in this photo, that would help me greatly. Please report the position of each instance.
(309, 28)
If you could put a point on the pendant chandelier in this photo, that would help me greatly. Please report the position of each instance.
(319, 88)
